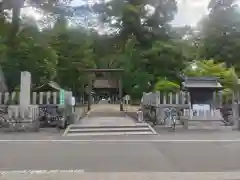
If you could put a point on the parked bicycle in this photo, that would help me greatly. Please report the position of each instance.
(52, 116)
(151, 116)
(3, 119)
(171, 115)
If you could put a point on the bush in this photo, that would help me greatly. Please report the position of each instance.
(164, 85)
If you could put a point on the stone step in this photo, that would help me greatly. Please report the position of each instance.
(106, 114)
(100, 126)
(137, 129)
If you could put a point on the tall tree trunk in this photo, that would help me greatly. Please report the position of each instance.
(16, 10)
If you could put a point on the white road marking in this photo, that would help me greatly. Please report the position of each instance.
(41, 171)
(130, 176)
(120, 141)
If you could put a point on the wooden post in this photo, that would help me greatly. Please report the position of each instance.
(158, 110)
(214, 98)
(13, 97)
(55, 97)
(89, 92)
(1, 98)
(171, 98)
(48, 96)
(164, 98)
(190, 112)
(236, 125)
(120, 93)
(41, 98)
(34, 99)
(220, 98)
(6, 97)
(235, 112)
(177, 98)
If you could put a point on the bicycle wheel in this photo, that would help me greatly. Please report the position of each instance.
(3, 121)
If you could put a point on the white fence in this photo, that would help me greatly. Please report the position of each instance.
(37, 98)
(182, 100)
(158, 98)
(174, 99)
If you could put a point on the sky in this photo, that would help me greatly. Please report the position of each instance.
(189, 11)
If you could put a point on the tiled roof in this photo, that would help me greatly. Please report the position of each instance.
(201, 82)
(51, 85)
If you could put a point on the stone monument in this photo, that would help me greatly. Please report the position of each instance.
(25, 89)
(24, 117)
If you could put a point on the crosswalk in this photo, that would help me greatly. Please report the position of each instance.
(107, 119)
(128, 129)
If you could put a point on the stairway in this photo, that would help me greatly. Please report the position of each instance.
(106, 114)
(96, 130)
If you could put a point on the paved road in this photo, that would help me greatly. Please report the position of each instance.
(117, 157)
(121, 156)
(124, 176)
(194, 153)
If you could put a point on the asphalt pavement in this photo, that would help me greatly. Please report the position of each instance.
(169, 155)
(121, 155)
(201, 154)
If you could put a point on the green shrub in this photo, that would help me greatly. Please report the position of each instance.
(164, 85)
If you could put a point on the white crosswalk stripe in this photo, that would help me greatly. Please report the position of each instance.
(124, 176)
(41, 171)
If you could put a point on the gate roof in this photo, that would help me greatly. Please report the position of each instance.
(50, 86)
(201, 82)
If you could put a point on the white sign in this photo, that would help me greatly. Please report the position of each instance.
(201, 107)
(127, 97)
(73, 101)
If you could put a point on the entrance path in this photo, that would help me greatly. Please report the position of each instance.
(107, 119)
(106, 114)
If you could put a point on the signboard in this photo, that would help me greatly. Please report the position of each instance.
(73, 101)
(62, 97)
(127, 97)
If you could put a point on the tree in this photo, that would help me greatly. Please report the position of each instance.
(220, 33)
(227, 76)
(164, 59)
(29, 56)
(52, 6)
(132, 17)
(75, 52)
(163, 85)
(145, 46)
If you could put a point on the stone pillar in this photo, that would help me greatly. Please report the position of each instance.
(25, 89)
(235, 113)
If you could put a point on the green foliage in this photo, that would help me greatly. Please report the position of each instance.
(164, 59)
(30, 56)
(209, 68)
(220, 33)
(164, 85)
(152, 53)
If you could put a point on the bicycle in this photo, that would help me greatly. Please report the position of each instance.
(171, 114)
(3, 120)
